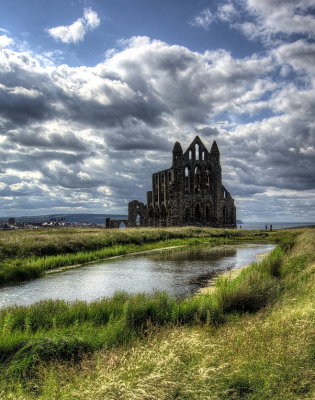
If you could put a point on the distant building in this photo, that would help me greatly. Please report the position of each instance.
(115, 223)
(188, 193)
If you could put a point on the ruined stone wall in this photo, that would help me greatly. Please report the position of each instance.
(188, 193)
(137, 214)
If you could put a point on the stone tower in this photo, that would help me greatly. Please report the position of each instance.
(188, 193)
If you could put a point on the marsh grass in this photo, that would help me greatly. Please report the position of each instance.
(118, 320)
(28, 254)
(249, 339)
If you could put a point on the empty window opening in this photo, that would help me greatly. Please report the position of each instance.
(186, 180)
(203, 155)
(138, 220)
(190, 154)
(197, 151)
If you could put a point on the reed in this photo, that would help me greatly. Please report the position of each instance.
(216, 345)
(26, 255)
(123, 317)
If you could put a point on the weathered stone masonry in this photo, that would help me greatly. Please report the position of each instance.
(188, 193)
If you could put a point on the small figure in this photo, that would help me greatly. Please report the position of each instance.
(240, 226)
(266, 227)
(270, 228)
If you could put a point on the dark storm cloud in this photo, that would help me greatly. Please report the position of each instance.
(156, 82)
(66, 141)
(136, 138)
(92, 112)
(66, 178)
(21, 108)
(21, 189)
(34, 161)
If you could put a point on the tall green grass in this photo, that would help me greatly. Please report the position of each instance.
(17, 270)
(254, 356)
(27, 254)
(113, 321)
(38, 243)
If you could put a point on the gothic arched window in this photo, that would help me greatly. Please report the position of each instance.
(186, 180)
(196, 151)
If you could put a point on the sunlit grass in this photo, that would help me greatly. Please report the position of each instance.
(251, 338)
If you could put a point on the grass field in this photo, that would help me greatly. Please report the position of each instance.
(251, 338)
(27, 254)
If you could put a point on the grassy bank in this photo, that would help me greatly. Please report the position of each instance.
(250, 339)
(26, 254)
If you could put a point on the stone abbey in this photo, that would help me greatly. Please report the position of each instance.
(188, 193)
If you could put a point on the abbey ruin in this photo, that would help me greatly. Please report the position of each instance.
(188, 193)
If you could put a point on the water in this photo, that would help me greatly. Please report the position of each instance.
(179, 272)
(275, 225)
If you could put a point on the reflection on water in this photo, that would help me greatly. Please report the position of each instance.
(178, 272)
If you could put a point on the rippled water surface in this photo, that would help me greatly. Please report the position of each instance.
(178, 271)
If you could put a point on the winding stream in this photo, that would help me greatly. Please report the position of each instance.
(179, 272)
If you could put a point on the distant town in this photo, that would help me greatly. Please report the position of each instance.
(64, 221)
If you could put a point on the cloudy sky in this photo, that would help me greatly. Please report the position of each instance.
(94, 93)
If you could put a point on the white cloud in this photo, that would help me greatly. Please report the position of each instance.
(285, 16)
(299, 54)
(227, 12)
(85, 133)
(76, 32)
(268, 19)
(203, 20)
(5, 41)
(91, 18)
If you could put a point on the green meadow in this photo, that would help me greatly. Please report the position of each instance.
(252, 337)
